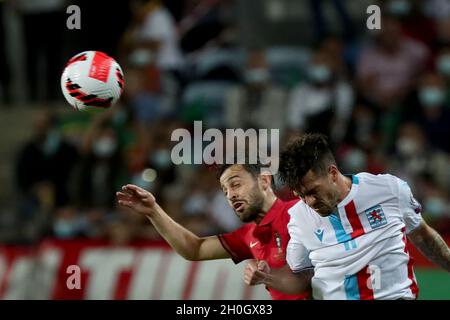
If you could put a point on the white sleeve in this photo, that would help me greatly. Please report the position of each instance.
(297, 256)
(409, 206)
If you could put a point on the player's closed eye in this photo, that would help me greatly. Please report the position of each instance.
(311, 193)
(299, 194)
(235, 185)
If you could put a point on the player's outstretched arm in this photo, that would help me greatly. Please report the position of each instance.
(184, 242)
(431, 244)
(281, 279)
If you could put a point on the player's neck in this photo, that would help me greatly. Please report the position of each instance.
(344, 186)
(269, 201)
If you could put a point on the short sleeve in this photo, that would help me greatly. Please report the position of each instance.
(409, 206)
(297, 255)
(235, 244)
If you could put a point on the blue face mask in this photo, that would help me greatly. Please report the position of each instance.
(443, 64)
(431, 97)
(356, 161)
(64, 229)
(161, 158)
(104, 147)
(434, 206)
(51, 143)
(399, 7)
(320, 73)
(257, 76)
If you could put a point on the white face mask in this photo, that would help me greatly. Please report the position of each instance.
(104, 147)
(161, 158)
(434, 206)
(407, 146)
(356, 161)
(51, 143)
(141, 58)
(399, 7)
(65, 228)
(320, 73)
(431, 97)
(257, 76)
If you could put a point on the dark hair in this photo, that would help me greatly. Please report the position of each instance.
(254, 169)
(308, 152)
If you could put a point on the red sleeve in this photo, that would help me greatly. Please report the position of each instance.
(234, 242)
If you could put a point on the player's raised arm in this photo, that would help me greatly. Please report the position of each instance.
(184, 242)
(281, 279)
(431, 244)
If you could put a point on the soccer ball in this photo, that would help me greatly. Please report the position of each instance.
(92, 80)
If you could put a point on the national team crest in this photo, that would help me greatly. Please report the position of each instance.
(376, 217)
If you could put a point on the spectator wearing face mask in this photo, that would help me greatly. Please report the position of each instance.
(443, 68)
(437, 207)
(258, 103)
(415, 24)
(387, 69)
(432, 115)
(436, 204)
(158, 171)
(44, 171)
(437, 9)
(67, 223)
(45, 165)
(323, 103)
(152, 38)
(413, 157)
(363, 129)
(102, 165)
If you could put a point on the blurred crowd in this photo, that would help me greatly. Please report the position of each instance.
(382, 96)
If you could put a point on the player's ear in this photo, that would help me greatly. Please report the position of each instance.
(333, 172)
(266, 180)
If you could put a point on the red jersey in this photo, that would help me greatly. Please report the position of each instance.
(266, 241)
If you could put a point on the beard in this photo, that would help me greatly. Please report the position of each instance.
(328, 206)
(324, 209)
(254, 207)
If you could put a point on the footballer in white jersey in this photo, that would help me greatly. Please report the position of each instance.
(348, 237)
(359, 251)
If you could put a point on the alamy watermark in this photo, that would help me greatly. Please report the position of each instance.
(374, 20)
(228, 146)
(374, 281)
(74, 280)
(74, 20)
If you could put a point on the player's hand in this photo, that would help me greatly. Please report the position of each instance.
(137, 199)
(256, 272)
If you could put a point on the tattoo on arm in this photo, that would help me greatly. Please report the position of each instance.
(431, 244)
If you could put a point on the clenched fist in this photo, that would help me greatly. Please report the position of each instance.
(256, 272)
(137, 199)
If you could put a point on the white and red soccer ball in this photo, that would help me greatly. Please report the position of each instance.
(92, 80)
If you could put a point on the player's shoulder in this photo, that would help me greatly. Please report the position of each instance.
(382, 180)
(383, 183)
(298, 208)
(291, 203)
(285, 206)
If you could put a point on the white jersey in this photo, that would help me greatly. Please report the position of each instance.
(359, 252)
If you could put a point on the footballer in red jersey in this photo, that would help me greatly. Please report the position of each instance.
(264, 236)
